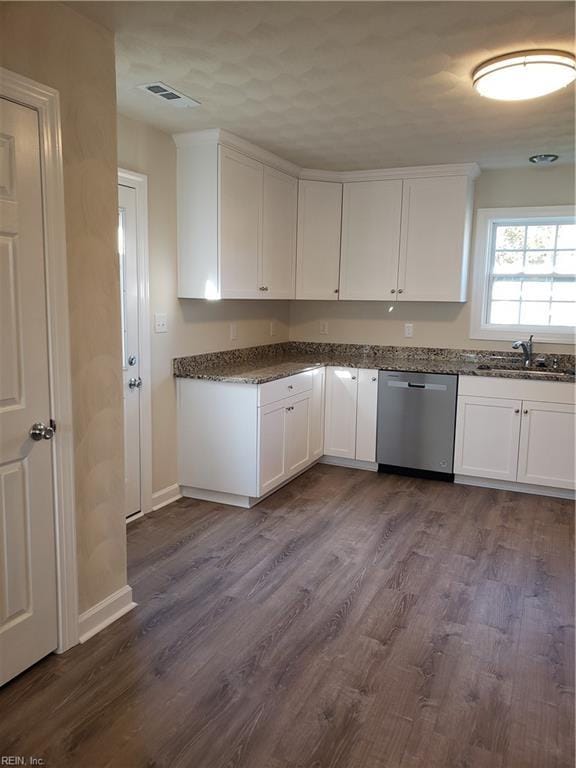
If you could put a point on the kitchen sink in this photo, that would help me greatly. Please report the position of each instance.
(536, 372)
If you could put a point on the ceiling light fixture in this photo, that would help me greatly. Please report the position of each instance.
(524, 75)
(543, 159)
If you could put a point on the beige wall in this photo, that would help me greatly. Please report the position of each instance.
(194, 326)
(435, 325)
(52, 44)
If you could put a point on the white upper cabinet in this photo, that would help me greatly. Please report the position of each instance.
(240, 225)
(277, 272)
(371, 216)
(247, 228)
(319, 220)
(435, 239)
(237, 220)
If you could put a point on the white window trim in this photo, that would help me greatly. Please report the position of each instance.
(485, 217)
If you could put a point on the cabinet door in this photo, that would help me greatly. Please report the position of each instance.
(371, 213)
(240, 224)
(319, 222)
(366, 415)
(317, 415)
(272, 441)
(298, 433)
(340, 424)
(547, 444)
(278, 263)
(487, 435)
(435, 232)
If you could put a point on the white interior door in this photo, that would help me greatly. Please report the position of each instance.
(128, 257)
(28, 607)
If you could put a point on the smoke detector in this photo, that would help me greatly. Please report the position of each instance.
(169, 94)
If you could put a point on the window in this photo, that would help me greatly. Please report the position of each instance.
(525, 274)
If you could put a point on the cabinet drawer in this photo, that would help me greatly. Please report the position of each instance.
(286, 387)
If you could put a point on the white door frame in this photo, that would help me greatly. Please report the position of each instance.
(139, 182)
(46, 102)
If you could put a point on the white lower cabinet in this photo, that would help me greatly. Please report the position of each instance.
(528, 439)
(272, 445)
(366, 411)
(546, 455)
(487, 432)
(341, 400)
(351, 403)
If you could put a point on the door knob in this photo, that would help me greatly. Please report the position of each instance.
(39, 431)
(135, 383)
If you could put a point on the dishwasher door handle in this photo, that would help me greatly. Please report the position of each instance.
(412, 385)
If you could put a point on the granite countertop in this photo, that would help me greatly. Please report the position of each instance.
(258, 365)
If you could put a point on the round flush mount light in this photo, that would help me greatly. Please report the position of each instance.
(543, 159)
(524, 75)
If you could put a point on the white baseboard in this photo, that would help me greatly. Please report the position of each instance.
(220, 497)
(105, 613)
(165, 496)
(337, 461)
(508, 485)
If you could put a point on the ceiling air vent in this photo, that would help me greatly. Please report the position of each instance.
(173, 97)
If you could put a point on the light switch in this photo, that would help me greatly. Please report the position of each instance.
(160, 322)
(408, 330)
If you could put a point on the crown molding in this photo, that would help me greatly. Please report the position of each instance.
(220, 136)
(472, 170)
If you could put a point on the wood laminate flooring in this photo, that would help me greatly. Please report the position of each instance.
(351, 620)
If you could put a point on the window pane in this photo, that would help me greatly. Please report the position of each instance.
(541, 236)
(509, 238)
(508, 262)
(563, 313)
(565, 263)
(504, 312)
(564, 291)
(506, 289)
(539, 262)
(535, 313)
(566, 236)
(533, 290)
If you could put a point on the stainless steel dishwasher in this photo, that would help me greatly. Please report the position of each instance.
(416, 423)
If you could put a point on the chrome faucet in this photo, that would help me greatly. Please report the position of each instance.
(526, 347)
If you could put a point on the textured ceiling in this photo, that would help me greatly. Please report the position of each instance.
(344, 85)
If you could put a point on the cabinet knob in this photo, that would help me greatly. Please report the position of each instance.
(353, 378)
(374, 378)
(335, 290)
(393, 290)
(516, 410)
(263, 288)
(400, 290)
(525, 411)
(290, 386)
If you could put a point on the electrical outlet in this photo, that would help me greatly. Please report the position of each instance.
(272, 327)
(160, 322)
(324, 327)
(408, 330)
(233, 331)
